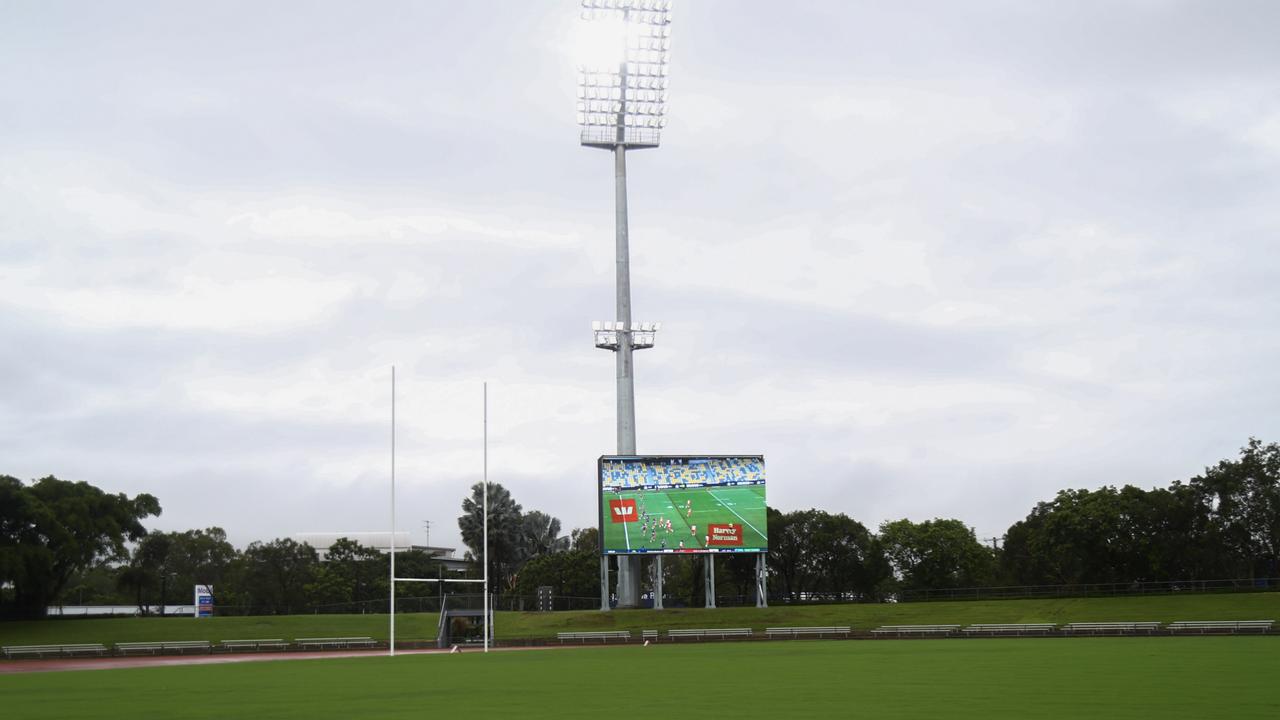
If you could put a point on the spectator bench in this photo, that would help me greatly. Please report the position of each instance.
(334, 642)
(702, 634)
(915, 630)
(602, 635)
(649, 635)
(1204, 627)
(799, 631)
(15, 651)
(994, 629)
(156, 648)
(1110, 628)
(254, 645)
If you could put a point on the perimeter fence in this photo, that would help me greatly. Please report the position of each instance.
(1163, 587)
(522, 603)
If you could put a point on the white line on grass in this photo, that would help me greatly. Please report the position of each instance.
(735, 512)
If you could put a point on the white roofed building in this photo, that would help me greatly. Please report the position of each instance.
(381, 541)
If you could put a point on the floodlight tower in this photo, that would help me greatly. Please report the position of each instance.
(622, 103)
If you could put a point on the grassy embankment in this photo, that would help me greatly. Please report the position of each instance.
(514, 626)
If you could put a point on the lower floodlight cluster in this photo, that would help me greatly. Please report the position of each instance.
(609, 333)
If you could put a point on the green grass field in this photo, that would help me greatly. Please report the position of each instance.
(531, 625)
(1058, 678)
(685, 509)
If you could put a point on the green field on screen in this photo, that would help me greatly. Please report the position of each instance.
(741, 505)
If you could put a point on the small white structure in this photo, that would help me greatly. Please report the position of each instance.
(381, 541)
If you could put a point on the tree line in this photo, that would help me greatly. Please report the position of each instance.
(1221, 524)
(65, 542)
(71, 543)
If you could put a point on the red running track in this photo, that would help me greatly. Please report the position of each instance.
(116, 663)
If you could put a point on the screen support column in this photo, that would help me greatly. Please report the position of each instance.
(657, 582)
(762, 578)
(710, 577)
(604, 583)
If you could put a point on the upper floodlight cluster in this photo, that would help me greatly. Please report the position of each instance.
(622, 76)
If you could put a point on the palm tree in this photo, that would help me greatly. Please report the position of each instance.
(542, 535)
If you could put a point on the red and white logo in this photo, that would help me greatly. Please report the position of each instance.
(622, 511)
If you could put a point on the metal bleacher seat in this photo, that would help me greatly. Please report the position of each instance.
(1110, 628)
(1220, 627)
(794, 632)
(603, 636)
(915, 630)
(705, 633)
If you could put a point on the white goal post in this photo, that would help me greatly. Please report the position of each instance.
(488, 612)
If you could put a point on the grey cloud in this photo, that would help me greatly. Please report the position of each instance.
(1020, 130)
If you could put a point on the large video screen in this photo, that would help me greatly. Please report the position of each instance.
(668, 504)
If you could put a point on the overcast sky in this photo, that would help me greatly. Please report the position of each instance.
(930, 259)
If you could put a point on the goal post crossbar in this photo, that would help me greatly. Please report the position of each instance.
(484, 554)
(436, 580)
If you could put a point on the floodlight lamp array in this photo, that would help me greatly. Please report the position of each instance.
(642, 51)
(653, 12)
(609, 335)
(636, 58)
(624, 101)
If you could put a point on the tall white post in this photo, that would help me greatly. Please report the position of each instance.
(392, 644)
(485, 543)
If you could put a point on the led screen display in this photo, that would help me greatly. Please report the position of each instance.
(682, 504)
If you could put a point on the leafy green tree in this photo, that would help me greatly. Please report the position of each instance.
(736, 575)
(413, 563)
(272, 578)
(844, 560)
(1223, 523)
(1243, 500)
(684, 579)
(936, 554)
(152, 560)
(53, 529)
(201, 557)
(96, 585)
(585, 539)
(1068, 540)
(350, 574)
(819, 554)
(1111, 536)
(787, 547)
(165, 566)
(1182, 543)
(26, 555)
(134, 580)
(573, 573)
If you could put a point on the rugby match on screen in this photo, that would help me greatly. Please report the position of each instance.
(666, 504)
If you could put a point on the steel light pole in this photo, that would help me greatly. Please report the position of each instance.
(622, 104)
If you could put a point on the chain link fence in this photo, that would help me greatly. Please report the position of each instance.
(1164, 587)
(560, 603)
